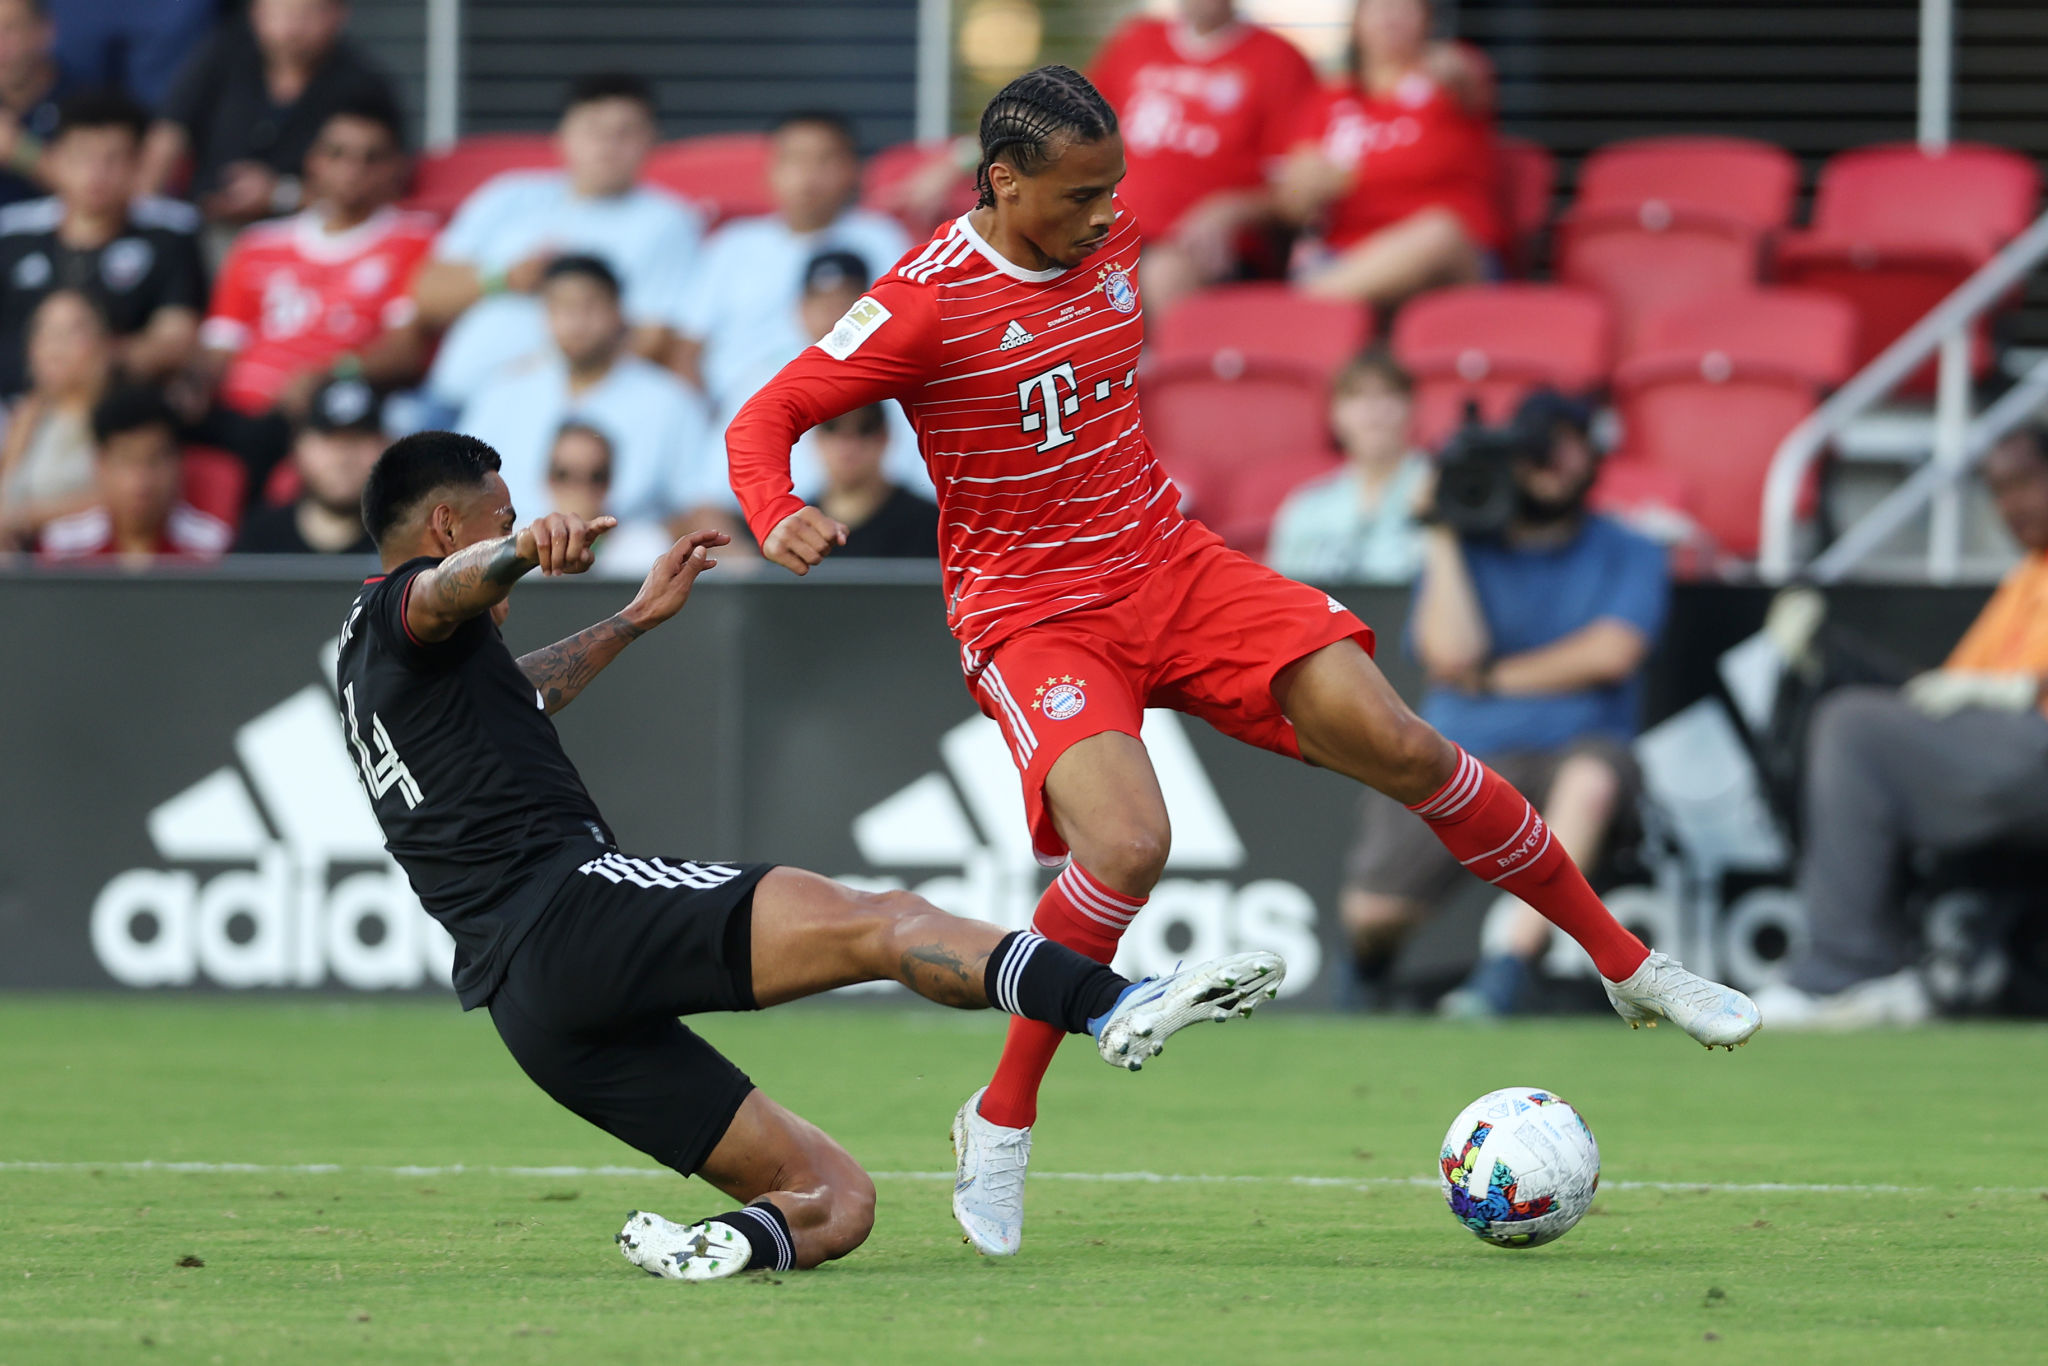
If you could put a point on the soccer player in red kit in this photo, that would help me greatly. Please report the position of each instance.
(1080, 595)
(1208, 105)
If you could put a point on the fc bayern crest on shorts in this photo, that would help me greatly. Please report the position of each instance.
(1118, 289)
(1062, 698)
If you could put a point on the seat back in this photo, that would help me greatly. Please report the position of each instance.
(214, 482)
(1269, 322)
(442, 180)
(1254, 497)
(1741, 179)
(1801, 333)
(1718, 437)
(890, 170)
(1492, 344)
(1641, 270)
(724, 174)
(1208, 428)
(1971, 196)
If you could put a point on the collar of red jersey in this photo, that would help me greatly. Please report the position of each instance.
(315, 243)
(1004, 263)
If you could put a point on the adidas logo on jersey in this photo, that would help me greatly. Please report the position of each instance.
(1014, 336)
(284, 880)
(969, 818)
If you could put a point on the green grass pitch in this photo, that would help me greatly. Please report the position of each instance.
(1857, 1199)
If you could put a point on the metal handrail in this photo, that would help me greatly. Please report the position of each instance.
(1947, 322)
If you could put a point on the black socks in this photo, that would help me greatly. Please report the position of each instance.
(1029, 975)
(767, 1233)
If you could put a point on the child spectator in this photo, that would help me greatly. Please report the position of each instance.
(1209, 105)
(1360, 524)
(46, 461)
(136, 259)
(484, 278)
(339, 441)
(1397, 164)
(659, 428)
(249, 105)
(323, 293)
(31, 84)
(138, 516)
(747, 285)
(883, 520)
(580, 482)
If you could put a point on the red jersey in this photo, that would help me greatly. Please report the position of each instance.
(1199, 115)
(188, 534)
(292, 297)
(1414, 148)
(1022, 386)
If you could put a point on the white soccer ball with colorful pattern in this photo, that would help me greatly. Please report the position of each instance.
(1519, 1167)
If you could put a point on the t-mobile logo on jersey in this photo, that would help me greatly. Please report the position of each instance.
(1043, 405)
(970, 818)
(278, 874)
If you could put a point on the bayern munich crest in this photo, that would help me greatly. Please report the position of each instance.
(1118, 289)
(1061, 699)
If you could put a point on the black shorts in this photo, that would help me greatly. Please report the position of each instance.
(590, 999)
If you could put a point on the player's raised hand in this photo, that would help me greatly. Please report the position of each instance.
(668, 584)
(562, 542)
(802, 539)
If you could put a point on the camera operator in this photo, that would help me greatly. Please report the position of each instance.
(1532, 620)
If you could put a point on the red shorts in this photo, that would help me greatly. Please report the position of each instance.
(1204, 634)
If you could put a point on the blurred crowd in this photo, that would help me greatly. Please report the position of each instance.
(218, 308)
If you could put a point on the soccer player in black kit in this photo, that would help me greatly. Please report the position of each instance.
(584, 955)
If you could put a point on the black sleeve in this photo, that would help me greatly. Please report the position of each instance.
(183, 280)
(192, 92)
(386, 608)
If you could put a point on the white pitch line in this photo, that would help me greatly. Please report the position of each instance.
(1139, 1178)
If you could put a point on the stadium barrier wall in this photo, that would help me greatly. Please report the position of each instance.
(182, 813)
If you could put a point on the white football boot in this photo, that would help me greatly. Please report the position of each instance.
(1154, 1010)
(683, 1252)
(988, 1182)
(1716, 1016)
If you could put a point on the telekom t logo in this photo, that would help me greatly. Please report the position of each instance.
(1044, 390)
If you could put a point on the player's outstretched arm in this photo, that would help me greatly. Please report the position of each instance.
(477, 578)
(562, 670)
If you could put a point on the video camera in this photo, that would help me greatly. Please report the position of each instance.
(1475, 477)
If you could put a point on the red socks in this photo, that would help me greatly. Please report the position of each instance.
(1089, 918)
(1497, 835)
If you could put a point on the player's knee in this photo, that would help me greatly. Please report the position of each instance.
(1417, 759)
(853, 1214)
(1131, 859)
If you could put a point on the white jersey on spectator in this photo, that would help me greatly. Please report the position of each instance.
(743, 303)
(663, 459)
(649, 237)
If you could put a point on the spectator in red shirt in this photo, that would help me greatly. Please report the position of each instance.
(140, 516)
(323, 294)
(1209, 106)
(1397, 164)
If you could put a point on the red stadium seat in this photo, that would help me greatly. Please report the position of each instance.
(1896, 229)
(1712, 387)
(442, 180)
(1245, 517)
(214, 481)
(1660, 220)
(1492, 344)
(1210, 429)
(891, 168)
(725, 174)
(1528, 182)
(1227, 325)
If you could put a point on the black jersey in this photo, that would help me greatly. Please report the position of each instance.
(477, 801)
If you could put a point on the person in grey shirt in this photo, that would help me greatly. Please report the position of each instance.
(1360, 523)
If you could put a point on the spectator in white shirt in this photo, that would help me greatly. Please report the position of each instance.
(658, 428)
(1361, 524)
(742, 306)
(580, 482)
(483, 280)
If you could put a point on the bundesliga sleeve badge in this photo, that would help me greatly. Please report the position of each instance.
(857, 326)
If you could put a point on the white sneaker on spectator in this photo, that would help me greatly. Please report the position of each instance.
(1900, 1001)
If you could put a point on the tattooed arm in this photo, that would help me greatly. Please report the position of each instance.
(477, 578)
(562, 670)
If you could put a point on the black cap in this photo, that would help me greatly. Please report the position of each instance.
(345, 405)
(1544, 410)
(836, 270)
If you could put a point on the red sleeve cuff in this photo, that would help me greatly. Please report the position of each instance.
(768, 518)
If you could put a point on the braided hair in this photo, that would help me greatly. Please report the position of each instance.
(1026, 115)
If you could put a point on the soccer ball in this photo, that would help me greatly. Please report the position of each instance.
(1519, 1167)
